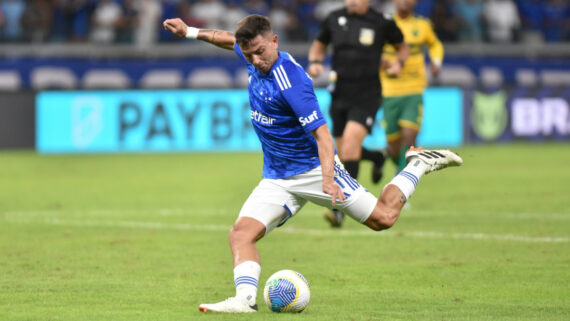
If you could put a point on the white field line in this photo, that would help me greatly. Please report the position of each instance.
(291, 230)
(226, 211)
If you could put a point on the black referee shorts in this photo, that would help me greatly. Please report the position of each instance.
(358, 110)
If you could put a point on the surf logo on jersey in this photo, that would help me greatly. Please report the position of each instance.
(261, 118)
(309, 119)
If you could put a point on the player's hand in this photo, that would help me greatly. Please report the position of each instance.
(393, 68)
(315, 69)
(331, 188)
(435, 69)
(176, 26)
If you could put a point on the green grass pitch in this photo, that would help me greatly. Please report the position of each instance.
(144, 237)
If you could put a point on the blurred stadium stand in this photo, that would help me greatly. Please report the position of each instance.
(138, 21)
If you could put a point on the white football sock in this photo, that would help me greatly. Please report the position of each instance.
(409, 177)
(246, 276)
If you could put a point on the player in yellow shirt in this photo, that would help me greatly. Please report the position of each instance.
(402, 95)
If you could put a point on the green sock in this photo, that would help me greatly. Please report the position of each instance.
(401, 163)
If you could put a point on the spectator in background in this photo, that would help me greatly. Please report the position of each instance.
(71, 20)
(256, 7)
(2, 21)
(305, 12)
(285, 23)
(234, 13)
(187, 15)
(567, 24)
(324, 8)
(127, 23)
(555, 15)
(210, 11)
(502, 20)
(469, 14)
(169, 9)
(531, 14)
(105, 18)
(37, 20)
(425, 7)
(445, 23)
(295, 29)
(12, 11)
(387, 6)
(279, 17)
(149, 13)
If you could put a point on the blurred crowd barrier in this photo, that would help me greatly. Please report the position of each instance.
(224, 70)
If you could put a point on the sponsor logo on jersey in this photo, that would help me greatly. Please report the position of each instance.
(309, 119)
(366, 36)
(261, 118)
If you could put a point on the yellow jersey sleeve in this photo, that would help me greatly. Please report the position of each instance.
(435, 47)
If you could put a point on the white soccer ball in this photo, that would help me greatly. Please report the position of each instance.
(287, 291)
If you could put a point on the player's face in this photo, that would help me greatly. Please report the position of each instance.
(356, 6)
(261, 52)
(405, 5)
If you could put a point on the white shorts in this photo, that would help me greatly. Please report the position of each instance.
(274, 201)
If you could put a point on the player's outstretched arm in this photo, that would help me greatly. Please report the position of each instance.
(326, 155)
(221, 38)
(317, 54)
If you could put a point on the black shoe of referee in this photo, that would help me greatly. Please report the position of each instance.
(377, 167)
(334, 217)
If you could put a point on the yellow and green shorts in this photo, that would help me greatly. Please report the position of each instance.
(402, 112)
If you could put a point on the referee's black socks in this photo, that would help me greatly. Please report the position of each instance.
(375, 156)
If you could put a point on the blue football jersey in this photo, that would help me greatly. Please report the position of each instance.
(284, 110)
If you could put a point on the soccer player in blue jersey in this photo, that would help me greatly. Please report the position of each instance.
(299, 161)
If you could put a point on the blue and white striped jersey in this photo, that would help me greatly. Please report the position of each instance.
(284, 111)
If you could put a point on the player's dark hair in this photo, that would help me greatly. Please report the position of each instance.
(250, 27)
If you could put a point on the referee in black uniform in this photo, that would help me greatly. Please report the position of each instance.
(357, 34)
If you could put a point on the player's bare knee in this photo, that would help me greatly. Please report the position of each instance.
(385, 214)
(381, 219)
(239, 235)
(350, 152)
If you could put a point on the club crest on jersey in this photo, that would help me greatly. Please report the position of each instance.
(366, 36)
(261, 118)
(309, 119)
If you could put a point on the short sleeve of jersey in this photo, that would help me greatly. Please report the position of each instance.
(299, 93)
(393, 33)
(324, 35)
(238, 52)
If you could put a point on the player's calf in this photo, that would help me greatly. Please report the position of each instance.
(403, 185)
(387, 210)
(243, 235)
